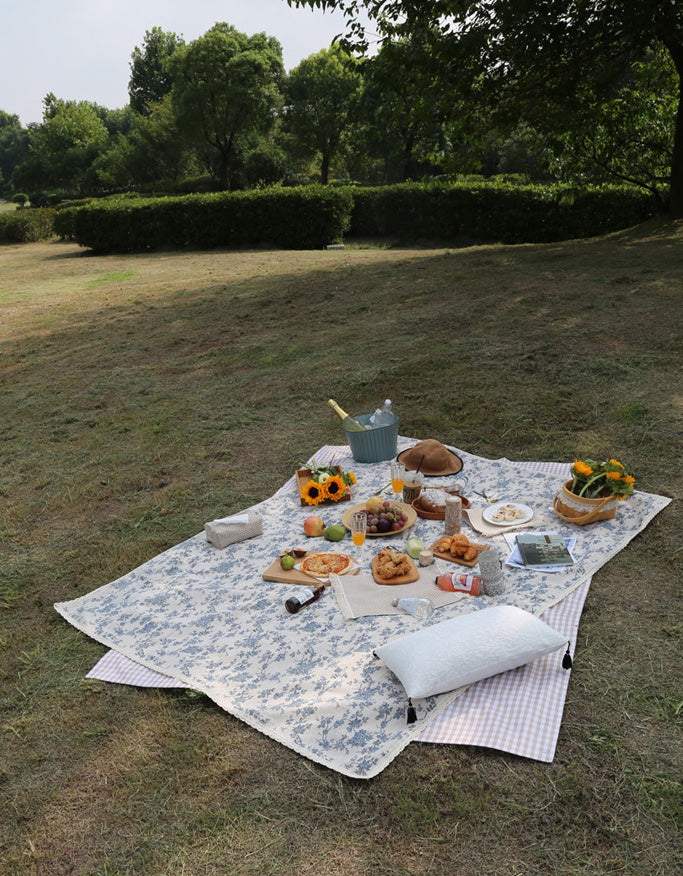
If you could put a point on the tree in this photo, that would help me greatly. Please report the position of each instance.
(321, 98)
(403, 107)
(540, 52)
(150, 80)
(13, 147)
(226, 88)
(627, 137)
(67, 142)
(150, 152)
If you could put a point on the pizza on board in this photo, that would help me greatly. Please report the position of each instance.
(325, 563)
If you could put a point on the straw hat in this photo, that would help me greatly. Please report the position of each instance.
(438, 459)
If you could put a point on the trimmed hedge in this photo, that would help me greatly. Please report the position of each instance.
(26, 225)
(310, 217)
(302, 218)
(496, 212)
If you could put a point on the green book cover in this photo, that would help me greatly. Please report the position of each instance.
(544, 550)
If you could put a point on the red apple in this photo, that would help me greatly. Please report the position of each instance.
(314, 526)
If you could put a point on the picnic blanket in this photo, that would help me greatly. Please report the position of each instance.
(206, 618)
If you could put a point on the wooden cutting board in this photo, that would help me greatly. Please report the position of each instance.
(446, 555)
(275, 572)
(413, 575)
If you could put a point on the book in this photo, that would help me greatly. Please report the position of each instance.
(546, 549)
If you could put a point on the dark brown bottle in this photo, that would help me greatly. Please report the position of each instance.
(304, 598)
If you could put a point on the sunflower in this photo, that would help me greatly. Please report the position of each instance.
(582, 468)
(313, 493)
(336, 488)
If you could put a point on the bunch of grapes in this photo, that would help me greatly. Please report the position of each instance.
(388, 518)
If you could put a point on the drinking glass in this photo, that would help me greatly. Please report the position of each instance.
(359, 525)
(398, 476)
(412, 486)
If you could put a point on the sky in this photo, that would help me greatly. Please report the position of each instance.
(81, 49)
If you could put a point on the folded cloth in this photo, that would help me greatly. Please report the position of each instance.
(228, 530)
(473, 515)
(361, 595)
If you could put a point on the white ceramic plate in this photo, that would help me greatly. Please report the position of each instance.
(489, 513)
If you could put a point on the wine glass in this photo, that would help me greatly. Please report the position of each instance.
(398, 476)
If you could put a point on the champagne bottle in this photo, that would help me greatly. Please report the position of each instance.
(349, 424)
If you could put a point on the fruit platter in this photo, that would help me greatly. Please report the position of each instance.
(384, 516)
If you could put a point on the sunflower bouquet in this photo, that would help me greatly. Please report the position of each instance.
(327, 483)
(599, 479)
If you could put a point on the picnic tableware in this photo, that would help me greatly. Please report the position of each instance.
(410, 514)
(412, 487)
(438, 512)
(491, 572)
(359, 526)
(275, 572)
(408, 578)
(489, 499)
(489, 514)
(446, 555)
(398, 475)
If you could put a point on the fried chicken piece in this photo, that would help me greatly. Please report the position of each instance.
(391, 564)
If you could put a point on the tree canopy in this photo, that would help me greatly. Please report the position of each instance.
(541, 55)
(150, 79)
(321, 97)
(226, 87)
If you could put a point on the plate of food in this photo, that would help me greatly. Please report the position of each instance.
(393, 567)
(458, 549)
(507, 514)
(384, 516)
(322, 564)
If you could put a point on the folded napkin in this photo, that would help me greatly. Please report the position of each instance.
(228, 530)
(477, 522)
(360, 595)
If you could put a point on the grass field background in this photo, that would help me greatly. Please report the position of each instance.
(144, 395)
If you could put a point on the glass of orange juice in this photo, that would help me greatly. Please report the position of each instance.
(398, 476)
(359, 525)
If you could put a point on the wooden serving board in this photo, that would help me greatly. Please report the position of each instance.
(408, 510)
(275, 572)
(446, 555)
(399, 579)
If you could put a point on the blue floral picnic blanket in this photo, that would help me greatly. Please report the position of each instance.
(310, 680)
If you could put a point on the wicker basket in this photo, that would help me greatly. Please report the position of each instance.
(579, 509)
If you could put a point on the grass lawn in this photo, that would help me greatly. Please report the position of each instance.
(143, 395)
